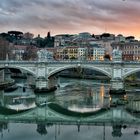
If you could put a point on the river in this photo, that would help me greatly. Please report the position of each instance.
(78, 95)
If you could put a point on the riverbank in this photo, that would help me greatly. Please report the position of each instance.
(6, 84)
(44, 90)
(86, 77)
(135, 83)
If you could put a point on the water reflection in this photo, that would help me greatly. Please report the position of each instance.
(58, 131)
(17, 101)
(81, 97)
(63, 112)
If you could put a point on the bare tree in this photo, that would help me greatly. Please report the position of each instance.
(30, 53)
(4, 49)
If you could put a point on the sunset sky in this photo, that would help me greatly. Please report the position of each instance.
(71, 16)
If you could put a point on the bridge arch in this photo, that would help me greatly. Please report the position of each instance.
(57, 70)
(20, 68)
(131, 72)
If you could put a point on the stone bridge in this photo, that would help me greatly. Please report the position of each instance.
(44, 70)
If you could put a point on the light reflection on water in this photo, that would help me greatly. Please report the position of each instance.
(81, 95)
(75, 95)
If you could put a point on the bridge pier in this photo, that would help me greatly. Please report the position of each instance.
(117, 86)
(117, 83)
(43, 84)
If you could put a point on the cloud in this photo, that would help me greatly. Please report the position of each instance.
(70, 16)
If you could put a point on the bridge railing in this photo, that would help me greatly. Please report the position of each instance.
(54, 62)
(68, 62)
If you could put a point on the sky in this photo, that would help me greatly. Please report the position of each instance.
(71, 16)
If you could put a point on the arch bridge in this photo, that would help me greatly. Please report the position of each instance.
(117, 71)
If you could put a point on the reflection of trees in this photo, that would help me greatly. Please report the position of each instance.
(3, 126)
(41, 129)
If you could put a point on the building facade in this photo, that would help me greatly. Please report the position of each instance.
(96, 52)
(130, 50)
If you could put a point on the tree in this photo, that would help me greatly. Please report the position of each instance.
(44, 42)
(105, 35)
(4, 49)
(28, 35)
(30, 53)
(49, 41)
(6, 36)
(39, 42)
(107, 57)
(73, 58)
(49, 35)
(15, 33)
(93, 35)
(15, 36)
(130, 38)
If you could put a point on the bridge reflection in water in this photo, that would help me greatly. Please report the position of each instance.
(48, 114)
(65, 108)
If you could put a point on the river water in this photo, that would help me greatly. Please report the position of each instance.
(78, 95)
